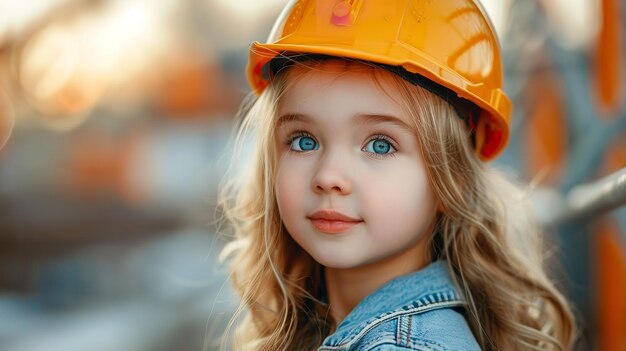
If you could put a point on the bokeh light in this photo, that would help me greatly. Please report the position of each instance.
(7, 118)
(95, 51)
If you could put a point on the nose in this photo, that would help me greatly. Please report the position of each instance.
(333, 175)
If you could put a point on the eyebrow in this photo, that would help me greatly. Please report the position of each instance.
(292, 117)
(359, 118)
(377, 118)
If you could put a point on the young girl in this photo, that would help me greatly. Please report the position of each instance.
(369, 219)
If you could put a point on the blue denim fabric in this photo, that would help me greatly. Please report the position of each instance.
(418, 311)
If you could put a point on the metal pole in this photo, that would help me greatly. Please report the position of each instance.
(589, 200)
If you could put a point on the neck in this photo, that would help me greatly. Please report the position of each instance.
(346, 287)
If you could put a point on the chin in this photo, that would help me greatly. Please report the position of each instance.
(329, 260)
(338, 261)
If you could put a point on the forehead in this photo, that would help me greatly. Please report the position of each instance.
(340, 87)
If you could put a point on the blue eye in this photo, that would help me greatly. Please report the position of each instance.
(379, 146)
(304, 143)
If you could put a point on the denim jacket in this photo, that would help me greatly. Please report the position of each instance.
(418, 311)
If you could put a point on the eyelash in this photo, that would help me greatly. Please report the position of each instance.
(385, 138)
(298, 134)
(302, 133)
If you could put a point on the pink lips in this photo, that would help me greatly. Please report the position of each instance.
(332, 222)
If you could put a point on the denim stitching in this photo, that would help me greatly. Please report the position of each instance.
(428, 343)
(384, 339)
(403, 334)
(403, 330)
(408, 333)
(420, 345)
(422, 302)
(419, 309)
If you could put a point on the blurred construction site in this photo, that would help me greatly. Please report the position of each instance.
(115, 124)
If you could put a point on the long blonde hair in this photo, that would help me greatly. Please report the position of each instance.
(486, 235)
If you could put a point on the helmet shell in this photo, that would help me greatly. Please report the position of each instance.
(450, 42)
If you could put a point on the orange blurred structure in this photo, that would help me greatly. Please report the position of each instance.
(611, 279)
(195, 85)
(546, 133)
(610, 60)
(99, 167)
(611, 269)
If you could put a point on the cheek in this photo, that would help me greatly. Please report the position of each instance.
(289, 181)
(402, 201)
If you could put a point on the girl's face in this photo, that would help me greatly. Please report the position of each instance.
(351, 185)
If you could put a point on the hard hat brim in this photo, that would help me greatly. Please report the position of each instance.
(495, 113)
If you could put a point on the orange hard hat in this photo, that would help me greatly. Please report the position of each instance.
(448, 42)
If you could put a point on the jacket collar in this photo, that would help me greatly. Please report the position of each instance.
(429, 286)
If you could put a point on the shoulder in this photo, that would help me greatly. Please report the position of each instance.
(418, 311)
(437, 330)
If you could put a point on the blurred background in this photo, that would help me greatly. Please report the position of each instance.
(116, 116)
